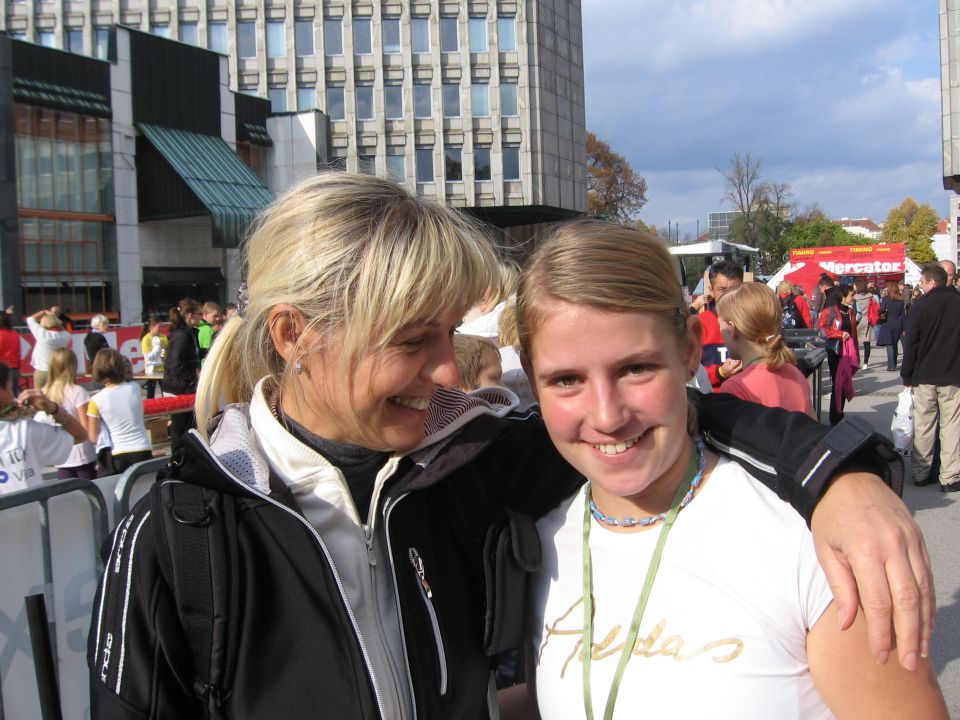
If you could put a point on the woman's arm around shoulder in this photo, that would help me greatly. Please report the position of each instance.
(855, 686)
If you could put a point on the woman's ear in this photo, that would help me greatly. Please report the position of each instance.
(286, 327)
(528, 370)
(693, 343)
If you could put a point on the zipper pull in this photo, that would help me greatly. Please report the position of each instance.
(417, 562)
(368, 540)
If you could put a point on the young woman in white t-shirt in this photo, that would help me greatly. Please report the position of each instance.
(119, 406)
(62, 388)
(27, 446)
(696, 590)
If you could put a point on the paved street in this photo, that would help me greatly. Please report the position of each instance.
(938, 514)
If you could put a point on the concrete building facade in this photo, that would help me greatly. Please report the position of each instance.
(477, 102)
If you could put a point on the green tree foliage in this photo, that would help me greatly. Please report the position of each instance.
(913, 225)
(614, 191)
(816, 230)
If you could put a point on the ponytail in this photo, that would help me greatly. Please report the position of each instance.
(228, 375)
(776, 352)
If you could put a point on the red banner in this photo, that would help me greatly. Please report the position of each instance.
(872, 260)
(124, 339)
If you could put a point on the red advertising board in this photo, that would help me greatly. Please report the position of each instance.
(854, 259)
(124, 339)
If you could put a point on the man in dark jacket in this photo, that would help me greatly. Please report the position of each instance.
(930, 351)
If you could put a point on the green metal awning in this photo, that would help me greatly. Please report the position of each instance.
(216, 176)
(208, 277)
(35, 92)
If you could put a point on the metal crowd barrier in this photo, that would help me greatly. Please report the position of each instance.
(122, 486)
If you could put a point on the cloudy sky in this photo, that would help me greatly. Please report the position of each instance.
(839, 98)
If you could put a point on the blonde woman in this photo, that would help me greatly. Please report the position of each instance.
(673, 584)
(26, 445)
(364, 485)
(62, 388)
(750, 322)
(49, 335)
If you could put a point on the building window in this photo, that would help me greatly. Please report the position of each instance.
(481, 163)
(480, 100)
(189, 33)
(507, 34)
(362, 43)
(75, 41)
(246, 39)
(367, 164)
(396, 168)
(278, 99)
(217, 37)
(332, 37)
(390, 27)
(303, 37)
(160, 30)
(64, 186)
(478, 34)
(508, 100)
(420, 34)
(276, 39)
(393, 102)
(422, 106)
(364, 99)
(424, 165)
(337, 162)
(47, 38)
(306, 98)
(255, 158)
(101, 42)
(451, 100)
(511, 163)
(453, 167)
(335, 104)
(449, 39)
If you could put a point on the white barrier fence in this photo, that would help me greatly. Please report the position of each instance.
(51, 546)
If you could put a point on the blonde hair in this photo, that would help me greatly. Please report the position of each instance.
(212, 308)
(785, 286)
(473, 354)
(755, 311)
(62, 373)
(359, 258)
(603, 266)
(99, 320)
(49, 321)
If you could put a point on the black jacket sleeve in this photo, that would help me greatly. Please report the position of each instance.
(790, 453)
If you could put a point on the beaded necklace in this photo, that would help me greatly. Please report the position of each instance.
(629, 522)
(681, 497)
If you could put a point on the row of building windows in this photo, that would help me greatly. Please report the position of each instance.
(276, 36)
(393, 105)
(452, 164)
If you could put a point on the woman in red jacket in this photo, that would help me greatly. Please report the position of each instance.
(10, 348)
(839, 322)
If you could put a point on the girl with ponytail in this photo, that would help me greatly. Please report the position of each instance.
(750, 323)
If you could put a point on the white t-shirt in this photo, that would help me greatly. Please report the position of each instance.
(81, 453)
(47, 342)
(120, 408)
(724, 632)
(26, 446)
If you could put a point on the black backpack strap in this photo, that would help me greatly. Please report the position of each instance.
(198, 528)
(511, 554)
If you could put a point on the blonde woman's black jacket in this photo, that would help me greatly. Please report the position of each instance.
(294, 648)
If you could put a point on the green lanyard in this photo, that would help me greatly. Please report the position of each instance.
(587, 644)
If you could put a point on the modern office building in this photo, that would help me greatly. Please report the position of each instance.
(950, 108)
(477, 102)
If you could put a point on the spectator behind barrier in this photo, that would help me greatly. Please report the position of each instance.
(120, 408)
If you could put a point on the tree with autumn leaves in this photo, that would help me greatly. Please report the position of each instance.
(614, 191)
(913, 225)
